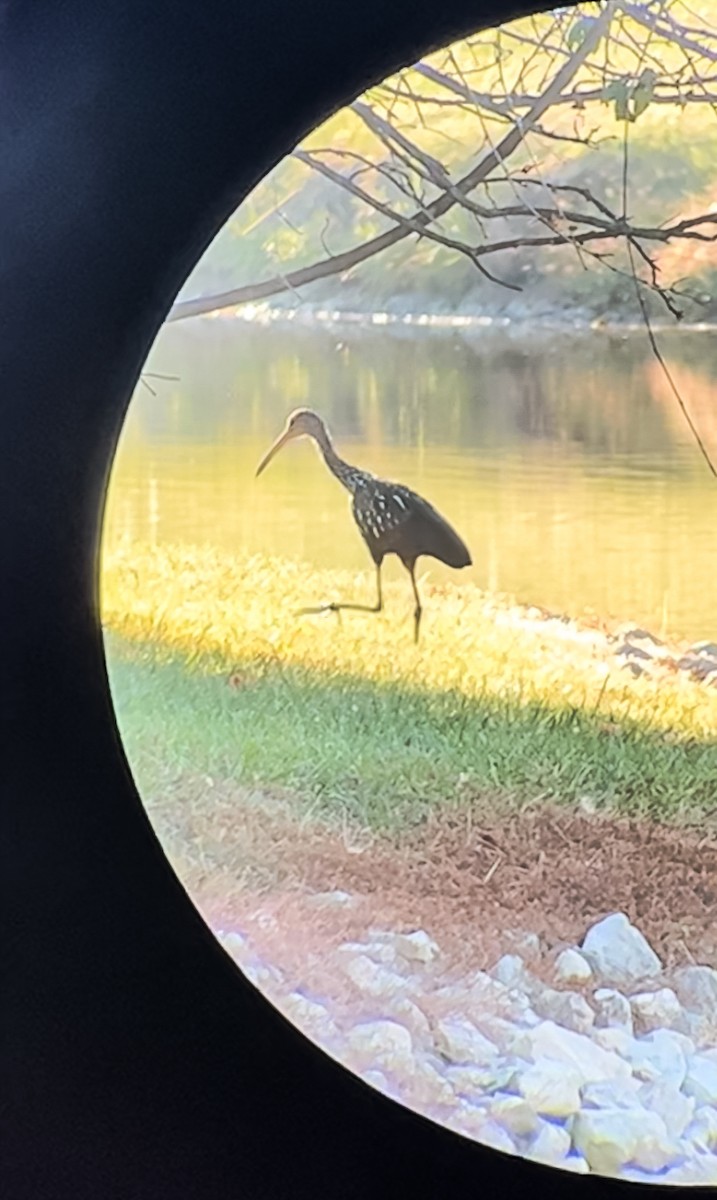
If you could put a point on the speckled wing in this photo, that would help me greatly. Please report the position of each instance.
(395, 520)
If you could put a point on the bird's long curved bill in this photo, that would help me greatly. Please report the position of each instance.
(280, 441)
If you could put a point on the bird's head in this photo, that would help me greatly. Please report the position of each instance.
(302, 422)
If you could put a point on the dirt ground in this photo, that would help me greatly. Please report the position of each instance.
(475, 886)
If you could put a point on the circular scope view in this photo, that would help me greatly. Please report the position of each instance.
(409, 595)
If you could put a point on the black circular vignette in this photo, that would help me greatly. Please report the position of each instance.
(137, 1060)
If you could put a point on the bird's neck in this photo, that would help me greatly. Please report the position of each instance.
(344, 472)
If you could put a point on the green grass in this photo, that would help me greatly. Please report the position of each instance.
(210, 676)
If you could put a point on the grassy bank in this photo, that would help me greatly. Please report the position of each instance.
(213, 673)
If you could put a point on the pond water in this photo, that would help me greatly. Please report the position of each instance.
(563, 460)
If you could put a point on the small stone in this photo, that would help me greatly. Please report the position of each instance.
(429, 1087)
(261, 975)
(378, 1080)
(590, 1061)
(497, 1029)
(659, 1055)
(527, 945)
(513, 1114)
(575, 1162)
(611, 1138)
(509, 970)
(571, 967)
(696, 989)
(656, 1010)
(371, 978)
(569, 1009)
(378, 951)
(702, 1129)
(550, 1088)
(701, 1080)
(612, 1094)
(612, 1009)
(619, 953)
(475, 1083)
(626, 650)
(304, 1011)
(410, 1015)
(416, 947)
(614, 1039)
(234, 944)
(458, 1040)
(382, 1045)
(551, 1144)
(666, 1099)
(494, 1135)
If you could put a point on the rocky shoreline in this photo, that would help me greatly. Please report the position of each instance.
(594, 1058)
(631, 648)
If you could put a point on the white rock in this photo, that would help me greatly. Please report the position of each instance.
(696, 988)
(701, 1169)
(371, 978)
(550, 1088)
(702, 1028)
(378, 1080)
(666, 1099)
(382, 1045)
(494, 1135)
(410, 1015)
(701, 1079)
(614, 1039)
(416, 947)
(378, 951)
(569, 1009)
(619, 953)
(572, 967)
(659, 1055)
(514, 1114)
(551, 1144)
(261, 975)
(234, 943)
(458, 1040)
(611, 1138)
(656, 1010)
(497, 1029)
(429, 1087)
(702, 1129)
(477, 1083)
(509, 970)
(575, 1162)
(551, 1041)
(612, 1009)
(611, 1094)
(307, 1012)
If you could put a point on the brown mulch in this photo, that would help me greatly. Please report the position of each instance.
(473, 884)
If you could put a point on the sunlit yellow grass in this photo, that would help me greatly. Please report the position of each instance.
(235, 610)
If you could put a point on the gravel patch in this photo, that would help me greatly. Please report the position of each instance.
(599, 1058)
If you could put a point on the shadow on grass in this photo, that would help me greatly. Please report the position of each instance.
(383, 755)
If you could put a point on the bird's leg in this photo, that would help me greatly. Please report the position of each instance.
(411, 568)
(337, 608)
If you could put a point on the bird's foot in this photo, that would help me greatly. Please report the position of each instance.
(321, 608)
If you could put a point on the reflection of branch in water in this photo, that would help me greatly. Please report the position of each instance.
(633, 245)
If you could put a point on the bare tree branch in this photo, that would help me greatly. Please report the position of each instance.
(351, 258)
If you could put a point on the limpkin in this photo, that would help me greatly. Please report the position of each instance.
(391, 518)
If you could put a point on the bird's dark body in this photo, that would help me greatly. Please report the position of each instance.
(394, 520)
(391, 518)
